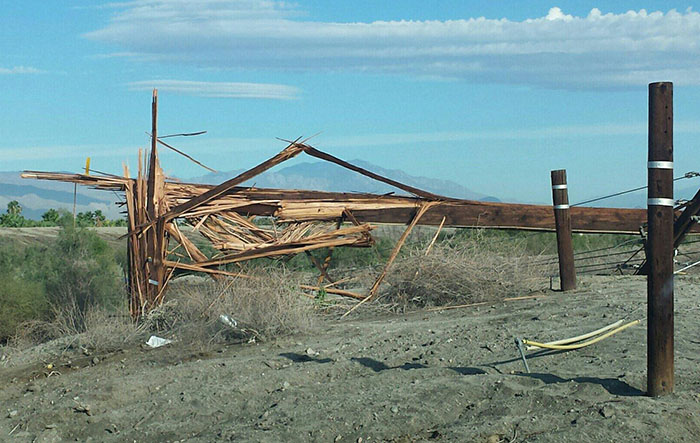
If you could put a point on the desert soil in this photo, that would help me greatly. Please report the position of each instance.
(453, 375)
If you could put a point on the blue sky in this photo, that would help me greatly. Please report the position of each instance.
(490, 94)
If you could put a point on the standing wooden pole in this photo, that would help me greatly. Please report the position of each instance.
(152, 281)
(153, 160)
(562, 220)
(155, 237)
(75, 201)
(660, 241)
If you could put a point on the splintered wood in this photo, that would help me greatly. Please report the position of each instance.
(288, 221)
(224, 215)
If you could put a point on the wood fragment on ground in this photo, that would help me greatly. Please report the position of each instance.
(334, 291)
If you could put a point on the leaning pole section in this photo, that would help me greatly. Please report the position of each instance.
(660, 242)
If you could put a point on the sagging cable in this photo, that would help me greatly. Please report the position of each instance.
(570, 343)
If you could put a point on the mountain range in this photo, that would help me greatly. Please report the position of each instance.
(323, 176)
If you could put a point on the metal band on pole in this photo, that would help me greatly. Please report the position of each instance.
(561, 206)
(564, 186)
(660, 202)
(659, 165)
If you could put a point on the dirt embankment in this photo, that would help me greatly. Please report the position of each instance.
(428, 376)
(31, 236)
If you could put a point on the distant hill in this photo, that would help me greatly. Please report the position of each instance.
(325, 176)
(37, 196)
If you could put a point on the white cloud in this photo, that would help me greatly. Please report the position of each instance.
(220, 89)
(600, 50)
(20, 70)
(556, 13)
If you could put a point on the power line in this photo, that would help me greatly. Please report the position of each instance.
(583, 254)
(690, 174)
(592, 265)
(608, 255)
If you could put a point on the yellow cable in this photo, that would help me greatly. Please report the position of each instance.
(580, 345)
(567, 341)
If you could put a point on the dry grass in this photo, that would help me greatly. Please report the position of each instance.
(264, 307)
(102, 330)
(478, 268)
(97, 330)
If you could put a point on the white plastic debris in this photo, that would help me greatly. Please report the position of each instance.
(228, 321)
(157, 342)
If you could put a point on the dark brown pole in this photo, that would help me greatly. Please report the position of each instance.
(153, 160)
(152, 244)
(75, 201)
(660, 241)
(562, 220)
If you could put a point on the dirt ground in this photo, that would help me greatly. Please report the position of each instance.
(451, 375)
(32, 236)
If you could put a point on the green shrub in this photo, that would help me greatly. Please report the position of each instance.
(65, 279)
(22, 296)
(21, 300)
(81, 272)
(51, 216)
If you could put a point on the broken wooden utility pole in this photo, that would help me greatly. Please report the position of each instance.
(147, 250)
(304, 220)
(154, 237)
(660, 377)
(562, 219)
